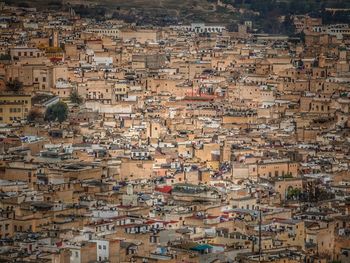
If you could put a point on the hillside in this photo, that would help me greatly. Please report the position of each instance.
(264, 13)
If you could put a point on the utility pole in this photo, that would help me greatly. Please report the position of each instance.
(259, 235)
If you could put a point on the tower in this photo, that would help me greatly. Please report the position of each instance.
(54, 37)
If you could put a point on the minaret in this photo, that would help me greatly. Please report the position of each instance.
(55, 41)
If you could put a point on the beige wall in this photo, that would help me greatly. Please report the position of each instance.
(21, 174)
(97, 90)
(6, 228)
(135, 169)
(205, 154)
(282, 186)
(141, 36)
(268, 170)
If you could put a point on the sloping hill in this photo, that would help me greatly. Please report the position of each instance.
(265, 14)
(181, 10)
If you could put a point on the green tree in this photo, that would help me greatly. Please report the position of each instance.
(57, 112)
(23, 4)
(14, 86)
(293, 193)
(75, 97)
(34, 115)
(302, 36)
(287, 26)
(232, 27)
(55, 4)
(5, 57)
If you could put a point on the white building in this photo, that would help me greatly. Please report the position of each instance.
(111, 32)
(338, 30)
(102, 60)
(202, 28)
(102, 247)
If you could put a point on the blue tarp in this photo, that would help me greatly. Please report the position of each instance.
(202, 247)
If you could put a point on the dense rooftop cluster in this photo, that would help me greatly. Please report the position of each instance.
(185, 143)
